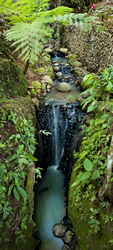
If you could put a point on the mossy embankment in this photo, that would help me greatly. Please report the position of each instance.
(17, 134)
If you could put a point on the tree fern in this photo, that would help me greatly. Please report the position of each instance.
(29, 37)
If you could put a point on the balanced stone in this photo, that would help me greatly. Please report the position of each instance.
(59, 230)
(56, 69)
(64, 87)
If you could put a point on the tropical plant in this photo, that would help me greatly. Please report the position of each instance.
(95, 160)
(31, 26)
(17, 158)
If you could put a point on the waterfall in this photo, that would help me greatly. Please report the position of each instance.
(60, 125)
(55, 141)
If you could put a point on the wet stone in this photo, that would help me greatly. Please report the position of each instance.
(59, 230)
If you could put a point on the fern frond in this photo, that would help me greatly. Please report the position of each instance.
(29, 38)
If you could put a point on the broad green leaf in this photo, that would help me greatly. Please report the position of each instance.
(21, 148)
(104, 125)
(85, 176)
(16, 194)
(5, 214)
(91, 108)
(30, 157)
(9, 208)
(109, 86)
(95, 175)
(13, 157)
(105, 116)
(88, 165)
(22, 192)
(110, 120)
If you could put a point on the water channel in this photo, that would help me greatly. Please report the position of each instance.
(60, 119)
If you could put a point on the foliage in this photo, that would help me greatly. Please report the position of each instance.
(82, 21)
(31, 26)
(17, 156)
(91, 161)
(98, 87)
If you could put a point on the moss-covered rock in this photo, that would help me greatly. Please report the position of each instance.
(36, 85)
(12, 79)
(41, 71)
(48, 79)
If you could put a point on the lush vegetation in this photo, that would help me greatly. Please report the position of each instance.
(94, 177)
(31, 25)
(29, 28)
(17, 149)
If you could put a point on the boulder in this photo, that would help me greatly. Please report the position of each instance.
(49, 50)
(56, 68)
(59, 230)
(59, 75)
(65, 247)
(77, 64)
(64, 87)
(47, 79)
(63, 50)
(67, 237)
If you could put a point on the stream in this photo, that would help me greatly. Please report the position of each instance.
(62, 119)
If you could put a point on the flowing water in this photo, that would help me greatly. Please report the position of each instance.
(49, 206)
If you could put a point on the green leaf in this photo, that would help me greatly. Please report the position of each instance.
(13, 157)
(22, 192)
(105, 116)
(23, 226)
(5, 214)
(91, 108)
(111, 241)
(109, 86)
(21, 148)
(23, 161)
(16, 194)
(88, 165)
(16, 180)
(104, 125)
(9, 208)
(85, 176)
(30, 157)
(10, 188)
(95, 175)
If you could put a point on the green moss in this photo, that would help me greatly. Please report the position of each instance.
(72, 58)
(50, 71)
(41, 71)
(12, 79)
(36, 85)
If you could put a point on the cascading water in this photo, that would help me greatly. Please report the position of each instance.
(63, 120)
(49, 204)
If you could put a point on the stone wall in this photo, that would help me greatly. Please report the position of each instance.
(93, 49)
